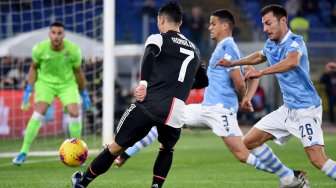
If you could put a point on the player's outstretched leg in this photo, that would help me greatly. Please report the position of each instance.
(318, 158)
(31, 132)
(288, 177)
(97, 167)
(162, 166)
(147, 140)
(238, 149)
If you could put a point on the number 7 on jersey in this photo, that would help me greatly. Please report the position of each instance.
(185, 63)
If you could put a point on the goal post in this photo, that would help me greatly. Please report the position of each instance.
(109, 72)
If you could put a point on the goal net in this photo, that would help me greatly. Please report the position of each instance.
(25, 23)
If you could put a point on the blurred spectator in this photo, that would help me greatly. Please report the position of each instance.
(300, 25)
(149, 9)
(6, 66)
(333, 15)
(292, 7)
(264, 3)
(310, 6)
(15, 77)
(196, 27)
(329, 80)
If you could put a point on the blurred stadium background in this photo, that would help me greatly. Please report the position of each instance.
(25, 22)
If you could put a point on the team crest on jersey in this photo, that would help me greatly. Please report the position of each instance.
(227, 57)
(67, 55)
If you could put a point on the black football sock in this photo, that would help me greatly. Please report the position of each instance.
(161, 167)
(98, 166)
(124, 156)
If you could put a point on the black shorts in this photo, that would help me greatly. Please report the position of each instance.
(135, 125)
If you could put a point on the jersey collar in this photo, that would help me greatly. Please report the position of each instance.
(225, 39)
(289, 32)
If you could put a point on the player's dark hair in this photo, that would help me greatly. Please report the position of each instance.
(57, 24)
(277, 10)
(224, 15)
(172, 10)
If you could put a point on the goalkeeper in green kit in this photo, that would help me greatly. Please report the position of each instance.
(55, 72)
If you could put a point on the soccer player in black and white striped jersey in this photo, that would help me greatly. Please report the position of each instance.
(170, 65)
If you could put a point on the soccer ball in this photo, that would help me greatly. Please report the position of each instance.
(73, 152)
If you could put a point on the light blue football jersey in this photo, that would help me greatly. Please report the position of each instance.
(220, 90)
(297, 89)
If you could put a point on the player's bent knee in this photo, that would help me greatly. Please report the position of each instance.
(115, 149)
(73, 113)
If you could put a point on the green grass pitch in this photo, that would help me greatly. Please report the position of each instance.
(200, 161)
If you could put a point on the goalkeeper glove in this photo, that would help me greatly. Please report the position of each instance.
(86, 100)
(25, 101)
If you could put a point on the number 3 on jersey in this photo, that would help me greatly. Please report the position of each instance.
(185, 63)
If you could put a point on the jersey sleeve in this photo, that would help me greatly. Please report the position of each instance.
(36, 54)
(295, 45)
(156, 40)
(77, 58)
(232, 55)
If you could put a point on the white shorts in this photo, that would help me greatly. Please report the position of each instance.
(222, 121)
(304, 124)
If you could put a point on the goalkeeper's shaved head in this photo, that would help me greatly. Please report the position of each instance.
(172, 11)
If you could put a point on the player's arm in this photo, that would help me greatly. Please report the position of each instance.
(291, 61)
(238, 82)
(201, 78)
(152, 49)
(253, 59)
(252, 86)
(148, 60)
(32, 75)
(80, 78)
(81, 81)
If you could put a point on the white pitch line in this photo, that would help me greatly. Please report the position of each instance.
(31, 161)
(40, 153)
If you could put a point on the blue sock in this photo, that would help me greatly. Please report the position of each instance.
(329, 168)
(266, 156)
(147, 140)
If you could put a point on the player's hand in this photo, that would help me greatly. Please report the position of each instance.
(246, 105)
(253, 74)
(224, 62)
(25, 100)
(87, 105)
(140, 92)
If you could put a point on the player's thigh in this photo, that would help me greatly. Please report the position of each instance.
(44, 92)
(68, 94)
(223, 122)
(168, 136)
(307, 126)
(275, 124)
(132, 127)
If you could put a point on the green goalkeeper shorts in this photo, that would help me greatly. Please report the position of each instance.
(67, 93)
